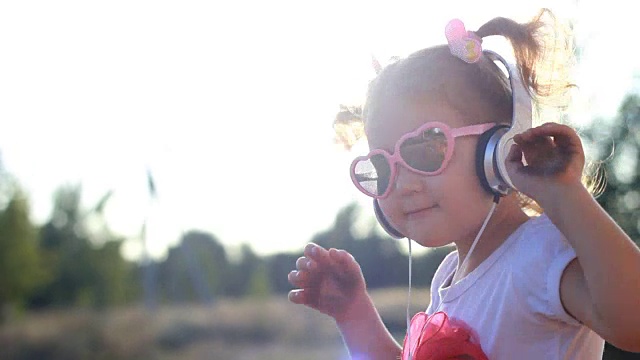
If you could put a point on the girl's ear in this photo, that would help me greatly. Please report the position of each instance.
(382, 220)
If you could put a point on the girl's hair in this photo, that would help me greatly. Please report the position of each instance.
(480, 92)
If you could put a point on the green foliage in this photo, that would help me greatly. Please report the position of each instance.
(21, 270)
(195, 270)
(621, 196)
(618, 142)
(85, 271)
(247, 276)
(112, 282)
(259, 284)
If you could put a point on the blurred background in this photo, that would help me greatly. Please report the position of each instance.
(163, 164)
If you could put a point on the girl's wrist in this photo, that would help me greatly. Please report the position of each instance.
(559, 197)
(361, 308)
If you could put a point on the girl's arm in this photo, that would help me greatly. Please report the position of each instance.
(331, 282)
(601, 288)
(365, 334)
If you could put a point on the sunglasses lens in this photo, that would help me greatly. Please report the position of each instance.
(373, 174)
(427, 151)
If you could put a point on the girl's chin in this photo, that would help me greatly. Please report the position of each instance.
(427, 240)
(432, 243)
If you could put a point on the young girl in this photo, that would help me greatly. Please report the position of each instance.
(551, 286)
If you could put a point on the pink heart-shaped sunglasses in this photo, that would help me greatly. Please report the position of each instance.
(426, 151)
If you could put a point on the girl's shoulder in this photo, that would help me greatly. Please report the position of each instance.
(536, 263)
(533, 241)
(539, 239)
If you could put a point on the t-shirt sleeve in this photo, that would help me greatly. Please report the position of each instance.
(545, 254)
(563, 257)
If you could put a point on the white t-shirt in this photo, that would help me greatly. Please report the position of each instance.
(512, 300)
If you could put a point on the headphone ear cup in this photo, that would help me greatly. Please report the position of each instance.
(486, 167)
(382, 220)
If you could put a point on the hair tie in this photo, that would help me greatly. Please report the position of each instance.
(465, 45)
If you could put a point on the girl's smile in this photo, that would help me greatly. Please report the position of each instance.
(420, 213)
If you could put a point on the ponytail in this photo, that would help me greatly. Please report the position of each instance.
(543, 50)
(544, 54)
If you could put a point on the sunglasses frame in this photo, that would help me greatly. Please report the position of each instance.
(395, 158)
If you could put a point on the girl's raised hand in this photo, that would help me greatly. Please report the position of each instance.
(554, 160)
(329, 281)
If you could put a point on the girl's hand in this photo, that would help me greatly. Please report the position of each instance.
(329, 281)
(554, 158)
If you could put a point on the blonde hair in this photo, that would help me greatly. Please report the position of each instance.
(480, 92)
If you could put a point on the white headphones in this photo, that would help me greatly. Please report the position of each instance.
(493, 145)
(493, 148)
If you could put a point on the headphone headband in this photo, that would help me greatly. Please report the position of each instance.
(521, 120)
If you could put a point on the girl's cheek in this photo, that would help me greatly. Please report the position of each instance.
(389, 207)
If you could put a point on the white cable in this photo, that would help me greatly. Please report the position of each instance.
(409, 302)
(453, 282)
(475, 241)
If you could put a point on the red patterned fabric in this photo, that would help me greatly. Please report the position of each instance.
(438, 337)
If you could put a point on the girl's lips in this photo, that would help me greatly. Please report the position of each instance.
(419, 212)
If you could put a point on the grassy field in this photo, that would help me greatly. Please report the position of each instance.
(231, 329)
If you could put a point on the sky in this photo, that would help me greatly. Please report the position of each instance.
(229, 105)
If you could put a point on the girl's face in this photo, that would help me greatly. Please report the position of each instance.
(432, 210)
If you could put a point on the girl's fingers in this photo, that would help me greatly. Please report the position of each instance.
(307, 297)
(299, 278)
(341, 256)
(319, 264)
(297, 297)
(315, 257)
(349, 268)
(304, 263)
(317, 253)
(332, 260)
(548, 143)
(562, 135)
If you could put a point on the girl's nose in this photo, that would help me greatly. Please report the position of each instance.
(407, 181)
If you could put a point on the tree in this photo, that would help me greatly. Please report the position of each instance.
(194, 270)
(618, 142)
(87, 268)
(621, 196)
(248, 275)
(21, 270)
(259, 285)
(113, 281)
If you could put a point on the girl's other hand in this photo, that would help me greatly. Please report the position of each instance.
(554, 160)
(329, 281)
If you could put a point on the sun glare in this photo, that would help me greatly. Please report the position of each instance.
(230, 108)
